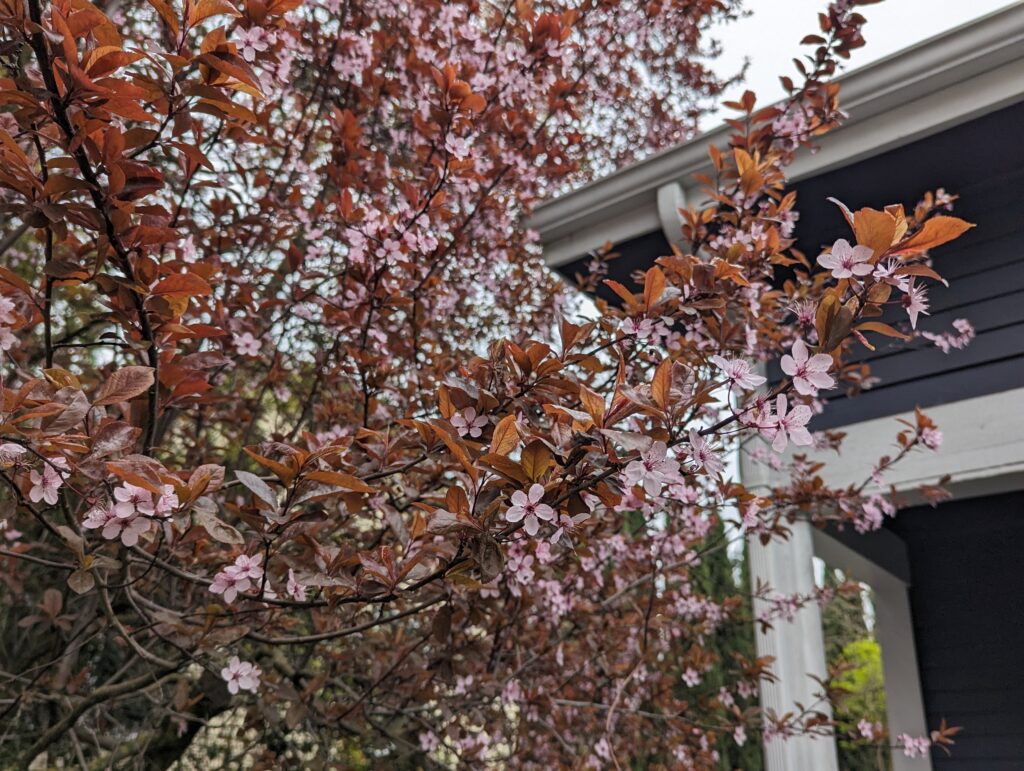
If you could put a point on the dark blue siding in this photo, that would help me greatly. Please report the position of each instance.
(983, 162)
(967, 601)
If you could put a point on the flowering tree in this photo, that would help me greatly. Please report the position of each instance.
(265, 469)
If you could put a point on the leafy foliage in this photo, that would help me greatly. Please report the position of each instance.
(299, 442)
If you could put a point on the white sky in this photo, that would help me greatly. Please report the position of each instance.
(770, 36)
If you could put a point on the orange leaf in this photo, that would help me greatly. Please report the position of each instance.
(338, 479)
(536, 459)
(882, 329)
(654, 287)
(457, 449)
(593, 403)
(875, 229)
(125, 384)
(621, 291)
(661, 386)
(283, 472)
(505, 437)
(936, 231)
(183, 283)
(507, 467)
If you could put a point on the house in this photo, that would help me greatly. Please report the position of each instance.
(948, 582)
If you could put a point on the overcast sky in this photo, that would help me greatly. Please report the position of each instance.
(770, 37)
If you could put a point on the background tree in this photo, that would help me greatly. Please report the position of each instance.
(297, 440)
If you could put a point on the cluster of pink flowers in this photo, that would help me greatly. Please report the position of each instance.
(647, 330)
(131, 514)
(241, 676)
(652, 470)
(46, 484)
(914, 746)
(872, 513)
(240, 577)
(948, 341)
(854, 262)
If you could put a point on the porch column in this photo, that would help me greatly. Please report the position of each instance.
(798, 648)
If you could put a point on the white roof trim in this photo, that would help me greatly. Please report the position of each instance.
(948, 79)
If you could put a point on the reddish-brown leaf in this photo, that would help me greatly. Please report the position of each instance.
(125, 384)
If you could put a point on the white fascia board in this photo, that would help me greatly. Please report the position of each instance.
(982, 448)
(949, 79)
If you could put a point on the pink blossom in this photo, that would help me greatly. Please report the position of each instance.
(529, 508)
(238, 577)
(931, 438)
(866, 728)
(566, 525)
(788, 425)
(543, 553)
(914, 747)
(845, 261)
(10, 453)
(642, 329)
(739, 372)
(652, 470)
(295, 588)
(948, 341)
(7, 308)
(809, 373)
(390, 250)
(429, 741)
(886, 273)
(7, 339)
(250, 42)
(103, 517)
(739, 735)
(915, 302)
(133, 500)
(468, 422)
(457, 146)
(246, 344)
(691, 677)
(241, 675)
(46, 485)
(703, 455)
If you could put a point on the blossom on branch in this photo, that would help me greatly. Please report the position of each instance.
(809, 373)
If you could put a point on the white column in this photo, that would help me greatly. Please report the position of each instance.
(798, 648)
(671, 198)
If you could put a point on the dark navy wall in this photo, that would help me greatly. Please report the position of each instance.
(635, 254)
(983, 162)
(967, 602)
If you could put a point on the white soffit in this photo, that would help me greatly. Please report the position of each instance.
(949, 79)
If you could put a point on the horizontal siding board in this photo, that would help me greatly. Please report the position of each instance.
(991, 377)
(931, 361)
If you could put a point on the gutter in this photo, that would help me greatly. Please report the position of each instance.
(938, 83)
